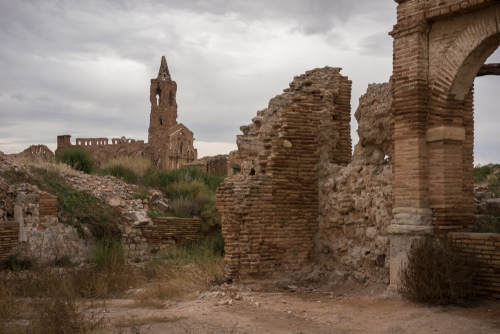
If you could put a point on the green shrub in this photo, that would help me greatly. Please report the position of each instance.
(153, 214)
(487, 224)
(162, 179)
(218, 245)
(62, 262)
(142, 192)
(78, 158)
(481, 173)
(494, 184)
(211, 216)
(437, 274)
(108, 255)
(14, 263)
(123, 173)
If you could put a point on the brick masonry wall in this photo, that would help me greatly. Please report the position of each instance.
(47, 205)
(9, 232)
(486, 247)
(270, 209)
(170, 231)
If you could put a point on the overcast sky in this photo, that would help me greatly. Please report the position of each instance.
(84, 67)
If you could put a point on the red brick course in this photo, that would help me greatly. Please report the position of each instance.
(9, 232)
(486, 248)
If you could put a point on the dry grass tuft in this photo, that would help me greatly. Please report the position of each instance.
(138, 165)
(73, 299)
(146, 302)
(181, 271)
(62, 314)
(50, 164)
(137, 322)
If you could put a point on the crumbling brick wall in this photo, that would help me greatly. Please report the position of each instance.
(28, 219)
(48, 205)
(37, 151)
(102, 149)
(270, 209)
(9, 231)
(172, 231)
(485, 247)
(213, 165)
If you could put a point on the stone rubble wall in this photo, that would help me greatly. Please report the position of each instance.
(270, 209)
(29, 224)
(39, 234)
(355, 205)
(144, 241)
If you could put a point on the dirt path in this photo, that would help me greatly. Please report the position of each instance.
(300, 311)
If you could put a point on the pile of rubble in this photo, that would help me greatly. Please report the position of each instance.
(48, 237)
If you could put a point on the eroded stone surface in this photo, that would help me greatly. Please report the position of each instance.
(355, 206)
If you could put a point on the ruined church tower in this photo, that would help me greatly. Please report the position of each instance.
(171, 143)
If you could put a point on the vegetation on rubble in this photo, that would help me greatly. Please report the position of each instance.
(125, 167)
(437, 274)
(73, 299)
(190, 190)
(77, 208)
(487, 223)
(490, 176)
(483, 172)
(78, 158)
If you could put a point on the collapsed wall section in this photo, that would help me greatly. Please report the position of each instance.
(356, 200)
(270, 208)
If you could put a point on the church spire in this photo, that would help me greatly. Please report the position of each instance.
(163, 73)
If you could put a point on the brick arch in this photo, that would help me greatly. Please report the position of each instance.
(438, 48)
(466, 55)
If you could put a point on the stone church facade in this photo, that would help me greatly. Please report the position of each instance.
(170, 144)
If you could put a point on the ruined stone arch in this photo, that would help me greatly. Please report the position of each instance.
(468, 52)
(438, 49)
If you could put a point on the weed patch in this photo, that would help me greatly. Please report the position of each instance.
(184, 270)
(130, 322)
(62, 314)
(437, 274)
(487, 224)
(78, 158)
(76, 208)
(14, 263)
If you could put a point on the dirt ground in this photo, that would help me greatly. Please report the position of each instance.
(290, 309)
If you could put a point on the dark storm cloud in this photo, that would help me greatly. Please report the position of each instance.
(83, 67)
(308, 17)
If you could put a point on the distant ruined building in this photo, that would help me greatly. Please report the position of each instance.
(37, 151)
(170, 144)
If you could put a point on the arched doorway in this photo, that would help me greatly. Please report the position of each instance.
(438, 50)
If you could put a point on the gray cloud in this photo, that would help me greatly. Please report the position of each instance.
(83, 67)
